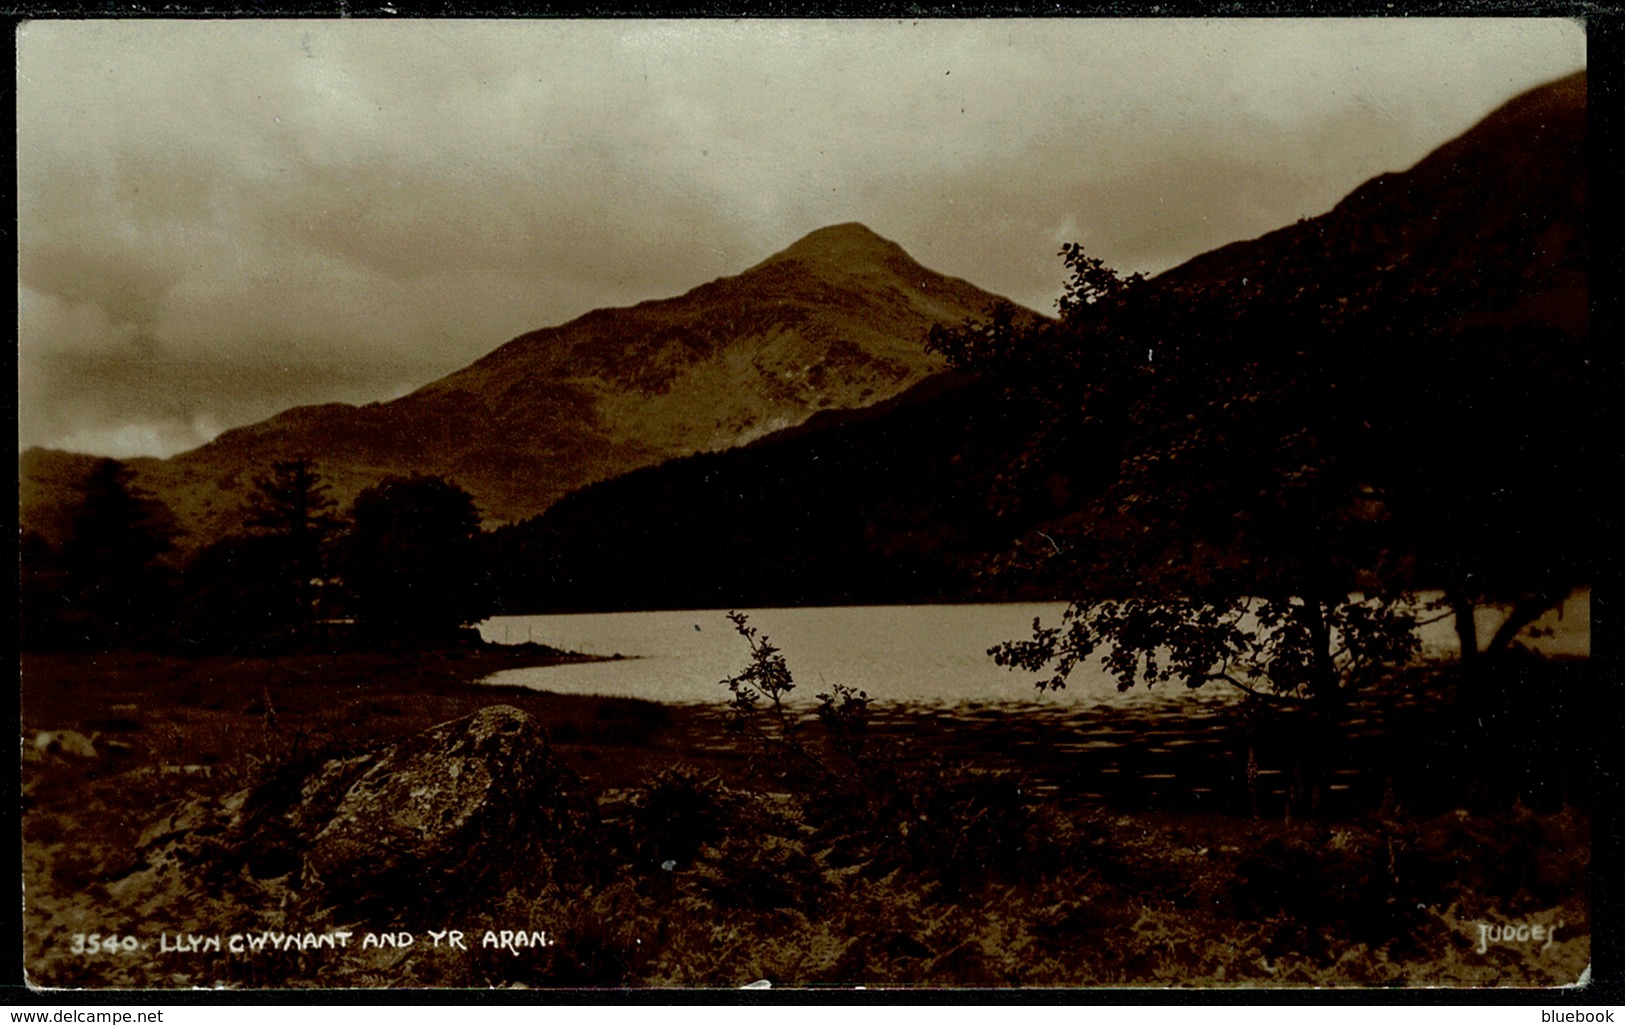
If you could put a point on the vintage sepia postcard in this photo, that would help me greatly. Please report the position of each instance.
(606, 504)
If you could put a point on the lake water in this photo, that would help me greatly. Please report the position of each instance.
(920, 654)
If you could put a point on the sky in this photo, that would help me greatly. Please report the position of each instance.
(220, 220)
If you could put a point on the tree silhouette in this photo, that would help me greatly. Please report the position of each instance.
(238, 595)
(291, 507)
(411, 563)
(42, 592)
(1232, 531)
(259, 589)
(111, 572)
(1236, 526)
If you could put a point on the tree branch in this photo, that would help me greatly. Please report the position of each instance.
(1441, 616)
(1266, 695)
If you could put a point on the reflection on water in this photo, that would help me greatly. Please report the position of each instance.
(921, 654)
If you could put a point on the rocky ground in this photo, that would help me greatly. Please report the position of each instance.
(376, 820)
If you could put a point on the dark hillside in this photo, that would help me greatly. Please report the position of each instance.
(881, 504)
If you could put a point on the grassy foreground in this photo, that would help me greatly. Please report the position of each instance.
(837, 860)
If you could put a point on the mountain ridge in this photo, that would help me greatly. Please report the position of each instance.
(835, 320)
(1381, 218)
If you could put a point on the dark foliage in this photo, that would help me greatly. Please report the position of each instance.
(107, 585)
(263, 589)
(1238, 525)
(411, 565)
(239, 595)
(410, 569)
(290, 505)
(43, 621)
(669, 819)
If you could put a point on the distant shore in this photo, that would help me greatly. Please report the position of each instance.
(159, 709)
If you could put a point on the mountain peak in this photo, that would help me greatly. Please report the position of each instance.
(847, 245)
(835, 321)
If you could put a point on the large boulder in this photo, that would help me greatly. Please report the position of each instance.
(477, 803)
(467, 810)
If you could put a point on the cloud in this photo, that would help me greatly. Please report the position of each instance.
(284, 212)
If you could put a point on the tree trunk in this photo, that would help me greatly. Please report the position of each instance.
(1252, 712)
(1316, 744)
(1466, 626)
(1318, 736)
(1325, 688)
(1524, 611)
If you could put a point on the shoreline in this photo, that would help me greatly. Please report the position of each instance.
(214, 713)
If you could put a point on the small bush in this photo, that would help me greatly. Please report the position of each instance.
(956, 827)
(669, 820)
